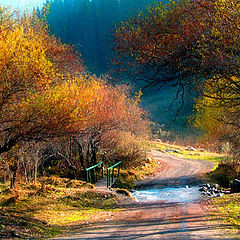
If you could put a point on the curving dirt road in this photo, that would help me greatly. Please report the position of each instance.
(161, 220)
(176, 171)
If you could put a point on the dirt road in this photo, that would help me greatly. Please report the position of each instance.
(176, 171)
(161, 220)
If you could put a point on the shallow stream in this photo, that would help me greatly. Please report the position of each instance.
(169, 194)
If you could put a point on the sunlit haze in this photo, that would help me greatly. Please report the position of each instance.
(22, 4)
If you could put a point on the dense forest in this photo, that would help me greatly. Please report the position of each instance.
(88, 25)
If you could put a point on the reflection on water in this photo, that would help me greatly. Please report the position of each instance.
(169, 194)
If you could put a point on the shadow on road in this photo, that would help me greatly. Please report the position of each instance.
(157, 221)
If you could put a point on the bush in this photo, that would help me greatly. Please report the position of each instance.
(125, 181)
(64, 182)
(225, 173)
(125, 147)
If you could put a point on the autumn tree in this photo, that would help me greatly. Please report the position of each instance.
(115, 112)
(45, 92)
(217, 114)
(40, 96)
(189, 43)
(114, 115)
(48, 97)
(183, 42)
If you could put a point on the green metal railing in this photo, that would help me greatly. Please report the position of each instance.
(91, 171)
(110, 173)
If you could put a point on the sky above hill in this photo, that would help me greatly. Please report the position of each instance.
(22, 4)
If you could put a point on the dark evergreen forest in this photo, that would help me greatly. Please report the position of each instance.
(88, 26)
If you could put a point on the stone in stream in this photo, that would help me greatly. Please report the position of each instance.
(208, 193)
(191, 149)
(202, 189)
(212, 190)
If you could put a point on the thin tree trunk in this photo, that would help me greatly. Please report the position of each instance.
(35, 170)
(14, 180)
(13, 167)
(80, 154)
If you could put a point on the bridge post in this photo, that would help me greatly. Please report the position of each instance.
(110, 171)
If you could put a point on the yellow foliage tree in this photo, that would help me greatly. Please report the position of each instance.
(217, 112)
(38, 99)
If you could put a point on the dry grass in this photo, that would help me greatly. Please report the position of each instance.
(147, 168)
(186, 152)
(45, 207)
(228, 208)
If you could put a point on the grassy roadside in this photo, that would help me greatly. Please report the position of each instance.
(228, 209)
(48, 207)
(186, 152)
(145, 169)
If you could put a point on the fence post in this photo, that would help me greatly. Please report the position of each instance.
(89, 172)
(110, 171)
(112, 174)
(118, 170)
(108, 178)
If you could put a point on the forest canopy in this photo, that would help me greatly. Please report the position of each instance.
(88, 24)
(183, 41)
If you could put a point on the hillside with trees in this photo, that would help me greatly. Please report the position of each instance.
(89, 26)
(193, 45)
(65, 110)
(53, 113)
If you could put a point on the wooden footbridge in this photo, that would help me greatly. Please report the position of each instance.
(95, 174)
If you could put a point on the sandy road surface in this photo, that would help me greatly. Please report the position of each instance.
(161, 220)
(176, 171)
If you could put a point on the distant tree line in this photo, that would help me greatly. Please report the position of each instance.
(88, 25)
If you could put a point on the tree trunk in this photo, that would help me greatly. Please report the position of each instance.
(80, 154)
(13, 168)
(14, 180)
(94, 156)
(88, 155)
(35, 170)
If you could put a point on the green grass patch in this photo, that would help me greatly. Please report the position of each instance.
(224, 174)
(186, 152)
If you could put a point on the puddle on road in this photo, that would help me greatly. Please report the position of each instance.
(169, 194)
